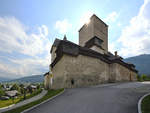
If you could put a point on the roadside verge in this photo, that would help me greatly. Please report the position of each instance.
(140, 102)
(50, 95)
(43, 102)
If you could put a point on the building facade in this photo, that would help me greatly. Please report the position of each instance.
(90, 62)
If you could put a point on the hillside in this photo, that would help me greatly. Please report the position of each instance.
(142, 63)
(2, 79)
(29, 79)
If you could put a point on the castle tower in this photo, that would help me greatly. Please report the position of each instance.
(94, 35)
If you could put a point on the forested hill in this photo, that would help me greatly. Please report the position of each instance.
(142, 63)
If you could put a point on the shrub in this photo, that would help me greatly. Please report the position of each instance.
(139, 78)
(15, 87)
(2, 92)
(143, 77)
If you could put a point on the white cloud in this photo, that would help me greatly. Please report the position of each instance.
(111, 47)
(30, 66)
(43, 30)
(111, 17)
(119, 24)
(15, 39)
(63, 26)
(135, 38)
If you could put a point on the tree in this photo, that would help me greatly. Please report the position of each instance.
(7, 85)
(2, 85)
(21, 88)
(38, 86)
(15, 87)
(139, 78)
(21, 85)
(30, 89)
(24, 94)
(2, 92)
(144, 77)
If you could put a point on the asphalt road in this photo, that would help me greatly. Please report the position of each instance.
(108, 98)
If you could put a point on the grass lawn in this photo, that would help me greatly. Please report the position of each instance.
(49, 94)
(4, 103)
(33, 94)
(146, 104)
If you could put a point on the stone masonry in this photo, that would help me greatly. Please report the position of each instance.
(90, 62)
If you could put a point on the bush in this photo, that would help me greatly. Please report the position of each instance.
(2, 92)
(15, 87)
(139, 78)
(143, 77)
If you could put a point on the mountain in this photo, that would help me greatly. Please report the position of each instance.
(142, 63)
(29, 79)
(2, 79)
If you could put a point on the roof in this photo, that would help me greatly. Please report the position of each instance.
(11, 93)
(70, 48)
(56, 43)
(94, 41)
(33, 86)
(94, 15)
(91, 19)
(46, 73)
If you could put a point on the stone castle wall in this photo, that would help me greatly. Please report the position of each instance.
(59, 74)
(120, 73)
(124, 74)
(83, 70)
(47, 81)
(86, 71)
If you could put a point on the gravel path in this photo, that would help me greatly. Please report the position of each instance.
(108, 98)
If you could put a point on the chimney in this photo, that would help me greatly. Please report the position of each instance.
(65, 38)
(116, 53)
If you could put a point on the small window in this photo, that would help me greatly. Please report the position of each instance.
(72, 82)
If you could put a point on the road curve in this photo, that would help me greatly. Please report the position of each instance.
(108, 98)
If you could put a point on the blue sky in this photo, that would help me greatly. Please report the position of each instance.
(29, 27)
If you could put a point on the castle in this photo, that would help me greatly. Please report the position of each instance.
(90, 62)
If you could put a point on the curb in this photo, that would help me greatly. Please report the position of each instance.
(42, 102)
(140, 101)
